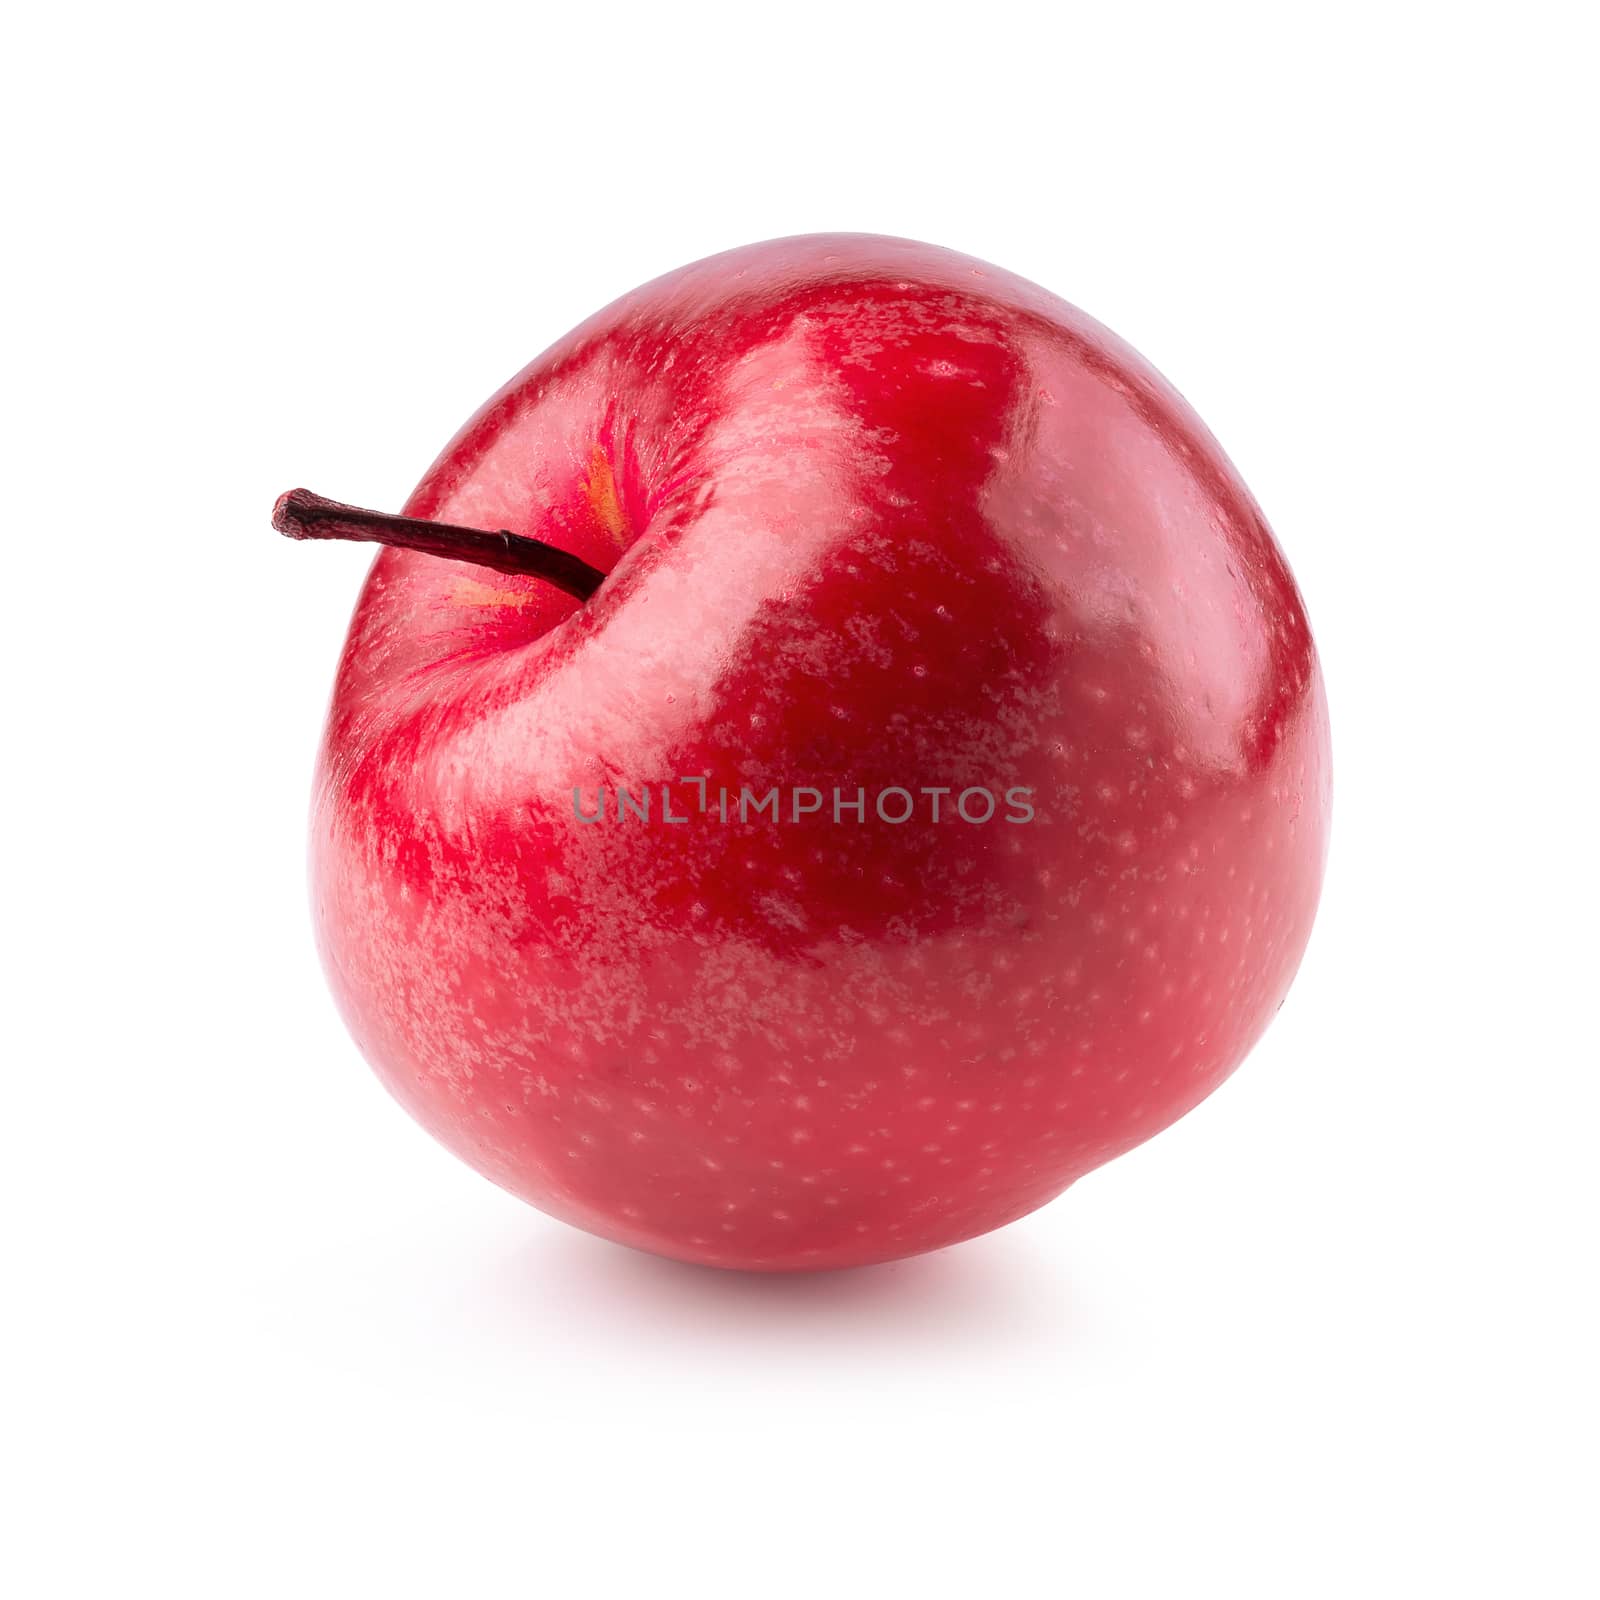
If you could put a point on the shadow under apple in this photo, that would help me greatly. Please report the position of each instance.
(994, 1294)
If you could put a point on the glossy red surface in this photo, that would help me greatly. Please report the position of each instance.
(875, 514)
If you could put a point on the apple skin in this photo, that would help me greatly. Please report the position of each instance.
(875, 514)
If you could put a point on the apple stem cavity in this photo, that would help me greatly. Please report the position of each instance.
(303, 515)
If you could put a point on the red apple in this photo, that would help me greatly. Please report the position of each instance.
(872, 516)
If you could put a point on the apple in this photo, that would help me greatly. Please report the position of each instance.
(830, 754)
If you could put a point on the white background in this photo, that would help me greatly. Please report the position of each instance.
(1334, 1333)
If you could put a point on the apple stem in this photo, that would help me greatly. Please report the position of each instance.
(303, 515)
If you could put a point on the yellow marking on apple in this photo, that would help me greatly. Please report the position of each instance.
(467, 592)
(601, 487)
